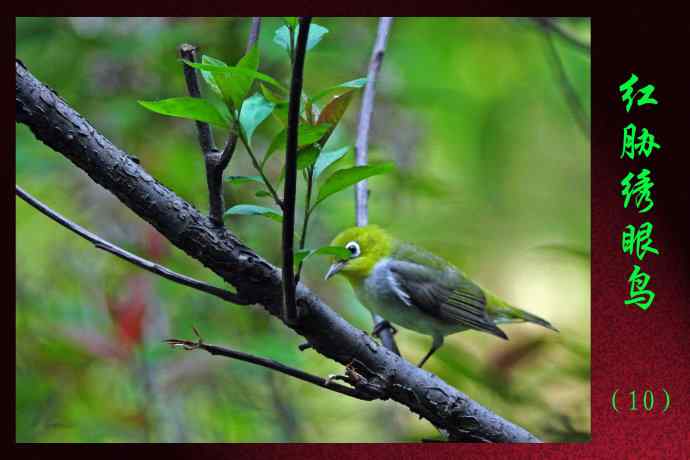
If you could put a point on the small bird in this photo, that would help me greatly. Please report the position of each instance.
(418, 290)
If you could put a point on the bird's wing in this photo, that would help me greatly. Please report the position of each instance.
(429, 283)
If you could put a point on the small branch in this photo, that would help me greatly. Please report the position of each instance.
(214, 177)
(228, 152)
(307, 214)
(568, 91)
(100, 243)
(290, 190)
(365, 115)
(215, 161)
(362, 154)
(229, 149)
(191, 77)
(254, 33)
(567, 35)
(259, 168)
(270, 364)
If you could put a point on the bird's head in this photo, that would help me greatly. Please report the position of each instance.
(367, 246)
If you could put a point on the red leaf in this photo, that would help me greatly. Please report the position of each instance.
(129, 314)
(335, 109)
(157, 247)
(333, 112)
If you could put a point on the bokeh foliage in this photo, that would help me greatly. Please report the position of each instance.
(492, 173)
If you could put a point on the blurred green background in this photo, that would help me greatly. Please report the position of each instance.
(493, 174)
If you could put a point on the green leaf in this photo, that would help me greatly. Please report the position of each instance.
(250, 61)
(306, 134)
(208, 76)
(316, 33)
(271, 96)
(281, 113)
(307, 156)
(344, 178)
(327, 158)
(262, 193)
(252, 210)
(221, 107)
(221, 83)
(290, 21)
(192, 108)
(221, 70)
(282, 36)
(254, 111)
(352, 84)
(244, 179)
(339, 252)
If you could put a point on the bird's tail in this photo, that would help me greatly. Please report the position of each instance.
(503, 313)
(529, 317)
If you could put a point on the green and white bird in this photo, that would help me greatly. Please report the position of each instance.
(417, 290)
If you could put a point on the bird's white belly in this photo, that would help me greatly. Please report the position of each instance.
(378, 294)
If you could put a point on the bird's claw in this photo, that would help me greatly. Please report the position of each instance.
(305, 346)
(379, 327)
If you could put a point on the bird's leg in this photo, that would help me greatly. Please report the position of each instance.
(379, 327)
(438, 341)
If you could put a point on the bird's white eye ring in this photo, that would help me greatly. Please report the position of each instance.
(353, 247)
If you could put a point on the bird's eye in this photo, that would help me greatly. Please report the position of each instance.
(353, 247)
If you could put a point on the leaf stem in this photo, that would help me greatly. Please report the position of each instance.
(307, 214)
(260, 169)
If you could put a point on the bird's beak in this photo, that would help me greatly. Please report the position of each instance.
(335, 268)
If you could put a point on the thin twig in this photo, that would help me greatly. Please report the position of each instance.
(290, 190)
(254, 33)
(100, 243)
(260, 170)
(307, 215)
(229, 149)
(362, 146)
(365, 116)
(568, 91)
(565, 34)
(214, 178)
(270, 364)
(188, 52)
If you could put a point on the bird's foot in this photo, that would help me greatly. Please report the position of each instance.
(379, 327)
(305, 346)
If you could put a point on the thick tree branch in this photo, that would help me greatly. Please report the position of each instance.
(153, 267)
(290, 190)
(63, 129)
(362, 155)
(270, 364)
